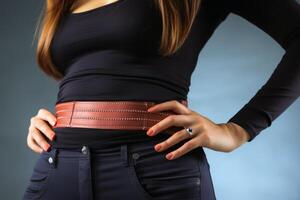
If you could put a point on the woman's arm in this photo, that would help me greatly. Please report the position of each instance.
(280, 19)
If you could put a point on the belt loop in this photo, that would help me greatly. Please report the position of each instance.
(124, 154)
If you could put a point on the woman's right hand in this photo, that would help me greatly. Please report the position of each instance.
(39, 128)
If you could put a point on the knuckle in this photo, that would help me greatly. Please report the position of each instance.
(171, 118)
(204, 126)
(177, 104)
(200, 121)
(167, 142)
(41, 111)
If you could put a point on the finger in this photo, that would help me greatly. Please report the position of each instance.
(43, 127)
(172, 140)
(173, 105)
(47, 116)
(39, 139)
(171, 120)
(33, 145)
(185, 148)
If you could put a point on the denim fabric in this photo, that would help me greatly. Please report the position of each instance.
(133, 171)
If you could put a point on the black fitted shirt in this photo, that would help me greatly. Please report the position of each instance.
(111, 53)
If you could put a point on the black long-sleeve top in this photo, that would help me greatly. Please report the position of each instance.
(111, 53)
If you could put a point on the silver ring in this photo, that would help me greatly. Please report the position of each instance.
(189, 131)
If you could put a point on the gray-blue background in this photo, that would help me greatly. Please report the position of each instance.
(236, 61)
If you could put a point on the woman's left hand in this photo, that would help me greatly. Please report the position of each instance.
(223, 137)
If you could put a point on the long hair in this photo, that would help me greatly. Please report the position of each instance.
(177, 19)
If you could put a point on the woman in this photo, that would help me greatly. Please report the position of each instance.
(122, 127)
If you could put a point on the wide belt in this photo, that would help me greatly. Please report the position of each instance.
(119, 115)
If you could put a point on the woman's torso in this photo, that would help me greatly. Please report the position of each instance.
(111, 53)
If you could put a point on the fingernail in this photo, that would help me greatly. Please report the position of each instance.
(46, 147)
(157, 147)
(150, 109)
(53, 122)
(150, 132)
(49, 148)
(170, 156)
(53, 137)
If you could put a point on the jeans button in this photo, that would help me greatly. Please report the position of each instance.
(84, 150)
(135, 155)
(50, 160)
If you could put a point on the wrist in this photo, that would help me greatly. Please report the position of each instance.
(238, 132)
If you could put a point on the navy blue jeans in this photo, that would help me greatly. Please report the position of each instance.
(133, 171)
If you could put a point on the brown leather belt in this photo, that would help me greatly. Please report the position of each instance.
(128, 115)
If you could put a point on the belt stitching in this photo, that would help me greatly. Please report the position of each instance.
(97, 110)
(100, 118)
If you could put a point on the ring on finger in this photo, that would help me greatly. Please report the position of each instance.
(189, 131)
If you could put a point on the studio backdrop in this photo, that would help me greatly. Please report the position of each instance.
(234, 64)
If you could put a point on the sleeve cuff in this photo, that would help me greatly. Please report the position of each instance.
(252, 120)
